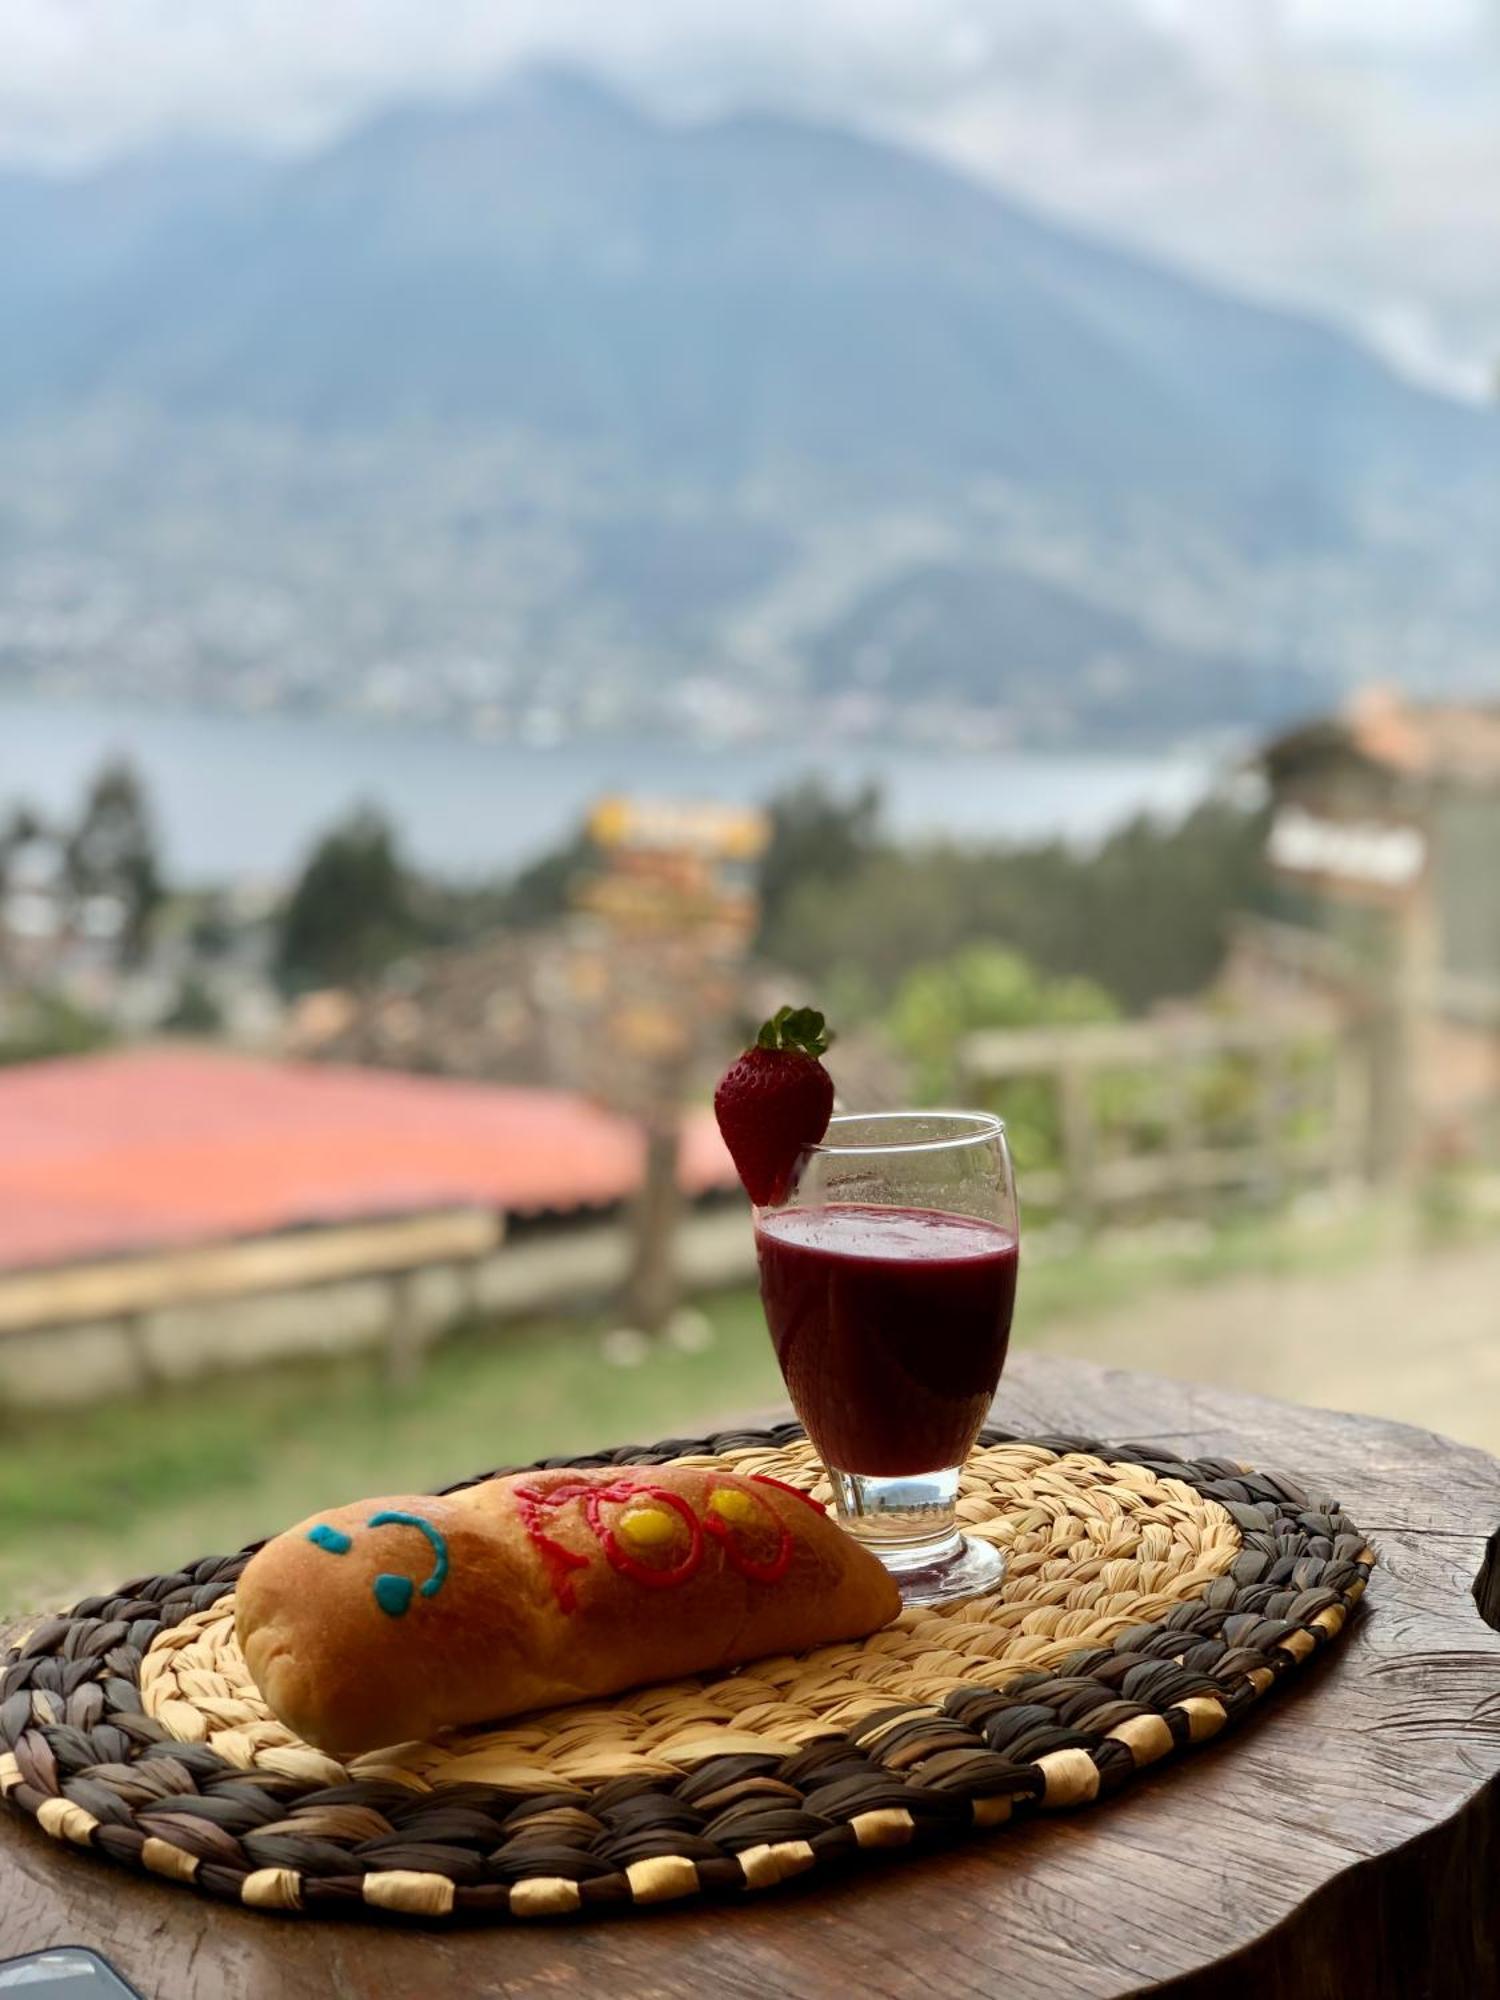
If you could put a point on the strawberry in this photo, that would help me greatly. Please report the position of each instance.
(775, 1100)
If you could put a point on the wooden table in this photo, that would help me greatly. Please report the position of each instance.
(1345, 1843)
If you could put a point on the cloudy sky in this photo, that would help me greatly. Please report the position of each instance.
(1340, 153)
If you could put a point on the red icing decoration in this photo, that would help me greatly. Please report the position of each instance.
(559, 1562)
(620, 1556)
(771, 1571)
(535, 1506)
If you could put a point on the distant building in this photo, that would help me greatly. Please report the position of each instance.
(47, 930)
(1383, 904)
(481, 1010)
(167, 1212)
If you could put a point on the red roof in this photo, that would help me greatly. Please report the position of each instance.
(164, 1146)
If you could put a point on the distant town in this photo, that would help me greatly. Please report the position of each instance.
(490, 588)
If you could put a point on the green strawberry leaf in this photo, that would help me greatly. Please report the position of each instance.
(802, 1029)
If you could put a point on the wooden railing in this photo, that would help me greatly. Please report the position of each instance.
(1295, 1074)
(116, 1287)
(390, 1286)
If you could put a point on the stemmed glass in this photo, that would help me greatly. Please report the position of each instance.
(888, 1277)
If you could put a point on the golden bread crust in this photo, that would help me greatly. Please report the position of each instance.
(390, 1619)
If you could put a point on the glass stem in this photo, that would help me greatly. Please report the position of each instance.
(906, 1521)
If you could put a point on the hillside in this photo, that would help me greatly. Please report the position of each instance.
(709, 399)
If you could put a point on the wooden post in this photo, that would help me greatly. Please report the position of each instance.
(1350, 1110)
(1182, 1127)
(1076, 1114)
(403, 1342)
(133, 1333)
(1396, 1020)
(651, 1289)
(1271, 1068)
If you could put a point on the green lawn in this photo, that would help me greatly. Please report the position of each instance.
(88, 1498)
(143, 1485)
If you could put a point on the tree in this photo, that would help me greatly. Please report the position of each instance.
(543, 890)
(195, 1011)
(40, 1025)
(1145, 916)
(982, 986)
(22, 827)
(16, 835)
(111, 853)
(816, 837)
(1148, 914)
(937, 1006)
(351, 911)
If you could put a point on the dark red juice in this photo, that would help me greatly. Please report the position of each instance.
(891, 1326)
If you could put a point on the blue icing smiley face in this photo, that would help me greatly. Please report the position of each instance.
(334, 1540)
(391, 1592)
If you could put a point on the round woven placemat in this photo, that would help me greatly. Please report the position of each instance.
(1148, 1602)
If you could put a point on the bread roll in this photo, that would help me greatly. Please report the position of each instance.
(391, 1619)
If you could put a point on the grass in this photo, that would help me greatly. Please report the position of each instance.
(144, 1484)
(88, 1497)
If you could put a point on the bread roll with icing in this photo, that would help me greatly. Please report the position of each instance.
(391, 1619)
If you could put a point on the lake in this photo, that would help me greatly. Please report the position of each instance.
(246, 795)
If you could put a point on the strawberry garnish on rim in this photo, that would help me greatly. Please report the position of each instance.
(776, 1100)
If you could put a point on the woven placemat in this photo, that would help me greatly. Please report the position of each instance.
(1149, 1602)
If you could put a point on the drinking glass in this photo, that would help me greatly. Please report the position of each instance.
(888, 1277)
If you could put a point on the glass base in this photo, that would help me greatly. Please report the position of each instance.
(909, 1524)
(966, 1569)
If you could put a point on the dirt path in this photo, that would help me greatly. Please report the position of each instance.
(1416, 1337)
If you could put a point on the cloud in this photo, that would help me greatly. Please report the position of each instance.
(1341, 153)
(1359, 176)
(89, 76)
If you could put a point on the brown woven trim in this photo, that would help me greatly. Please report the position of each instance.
(81, 1755)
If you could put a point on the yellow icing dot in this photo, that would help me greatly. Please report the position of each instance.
(733, 1505)
(648, 1527)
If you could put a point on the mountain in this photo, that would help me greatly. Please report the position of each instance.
(69, 247)
(994, 636)
(728, 363)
